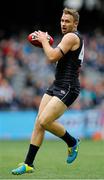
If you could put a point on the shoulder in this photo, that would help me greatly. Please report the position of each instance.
(70, 41)
(71, 34)
(71, 37)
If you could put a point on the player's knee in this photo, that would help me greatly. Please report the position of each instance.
(44, 124)
(37, 126)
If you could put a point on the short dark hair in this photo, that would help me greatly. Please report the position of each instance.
(72, 12)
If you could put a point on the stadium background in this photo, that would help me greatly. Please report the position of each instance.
(24, 76)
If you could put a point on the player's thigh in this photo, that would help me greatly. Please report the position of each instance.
(44, 101)
(53, 110)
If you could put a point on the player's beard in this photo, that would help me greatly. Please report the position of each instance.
(66, 30)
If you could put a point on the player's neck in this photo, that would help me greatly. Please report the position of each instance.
(74, 30)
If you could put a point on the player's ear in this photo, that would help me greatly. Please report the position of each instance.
(76, 23)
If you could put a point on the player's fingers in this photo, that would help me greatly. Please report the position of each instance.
(46, 33)
(40, 31)
(36, 32)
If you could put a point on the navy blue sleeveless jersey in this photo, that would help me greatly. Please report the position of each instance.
(68, 67)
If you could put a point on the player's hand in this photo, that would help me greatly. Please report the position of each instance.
(41, 36)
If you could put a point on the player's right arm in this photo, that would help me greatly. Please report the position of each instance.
(70, 41)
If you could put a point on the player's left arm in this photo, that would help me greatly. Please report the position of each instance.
(70, 41)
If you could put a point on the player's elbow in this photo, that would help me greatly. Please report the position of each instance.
(53, 55)
(52, 59)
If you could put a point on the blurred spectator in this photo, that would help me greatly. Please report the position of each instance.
(6, 93)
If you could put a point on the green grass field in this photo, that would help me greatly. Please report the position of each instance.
(51, 160)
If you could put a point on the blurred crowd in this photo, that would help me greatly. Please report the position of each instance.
(25, 73)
